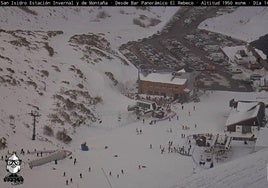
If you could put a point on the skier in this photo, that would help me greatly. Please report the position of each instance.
(71, 180)
(89, 169)
(211, 165)
(194, 108)
(64, 173)
(177, 117)
(189, 113)
(110, 173)
(122, 171)
(80, 175)
(195, 125)
(143, 121)
(117, 175)
(140, 131)
(66, 182)
(151, 146)
(74, 161)
(182, 107)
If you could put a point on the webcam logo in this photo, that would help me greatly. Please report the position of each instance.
(13, 166)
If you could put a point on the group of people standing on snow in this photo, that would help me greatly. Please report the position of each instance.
(138, 131)
(80, 174)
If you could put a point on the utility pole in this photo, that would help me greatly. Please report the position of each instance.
(35, 114)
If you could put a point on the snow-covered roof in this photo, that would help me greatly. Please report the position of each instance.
(187, 90)
(232, 52)
(262, 139)
(263, 56)
(181, 71)
(244, 111)
(166, 78)
(238, 56)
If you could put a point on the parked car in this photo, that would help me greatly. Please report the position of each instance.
(236, 70)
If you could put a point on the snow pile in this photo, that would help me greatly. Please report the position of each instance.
(245, 23)
(260, 52)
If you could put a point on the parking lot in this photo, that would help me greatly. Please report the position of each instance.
(182, 45)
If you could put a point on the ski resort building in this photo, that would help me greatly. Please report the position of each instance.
(260, 56)
(177, 85)
(247, 56)
(246, 117)
(143, 107)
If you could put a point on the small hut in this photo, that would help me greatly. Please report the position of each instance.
(84, 147)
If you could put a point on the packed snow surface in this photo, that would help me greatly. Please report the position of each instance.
(113, 142)
(126, 150)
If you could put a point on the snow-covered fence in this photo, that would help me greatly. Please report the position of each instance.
(44, 151)
(58, 155)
